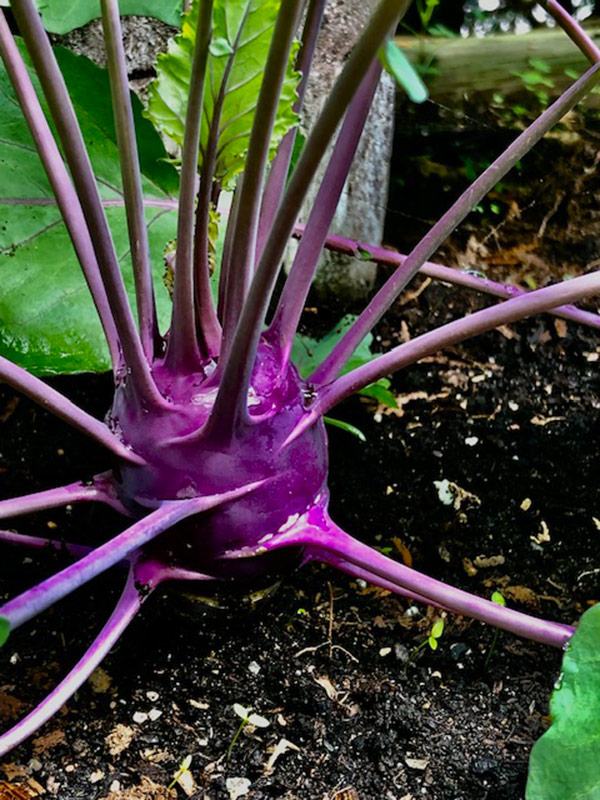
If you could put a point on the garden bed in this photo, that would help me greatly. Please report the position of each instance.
(511, 419)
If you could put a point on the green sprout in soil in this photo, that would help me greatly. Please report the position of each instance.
(248, 717)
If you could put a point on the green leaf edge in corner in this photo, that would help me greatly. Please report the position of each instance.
(565, 761)
(4, 630)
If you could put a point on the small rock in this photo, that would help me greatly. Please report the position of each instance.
(254, 668)
(485, 765)
(471, 441)
(140, 717)
(154, 714)
(237, 787)
(385, 651)
(457, 650)
(152, 696)
(417, 763)
(401, 652)
(96, 776)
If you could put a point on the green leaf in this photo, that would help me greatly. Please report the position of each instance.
(379, 391)
(498, 598)
(403, 72)
(346, 426)
(48, 323)
(4, 630)
(564, 761)
(242, 33)
(433, 643)
(437, 629)
(60, 16)
(308, 353)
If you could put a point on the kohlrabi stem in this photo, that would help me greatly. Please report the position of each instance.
(573, 29)
(362, 573)
(35, 600)
(246, 223)
(69, 132)
(101, 489)
(206, 316)
(228, 251)
(130, 173)
(58, 404)
(453, 275)
(59, 179)
(126, 609)
(318, 531)
(479, 322)
(39, 543)
(291, 303)
(278, 172)
(184, 352)
(230, 408)
(384, 298)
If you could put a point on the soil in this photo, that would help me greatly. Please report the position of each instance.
(355, 709)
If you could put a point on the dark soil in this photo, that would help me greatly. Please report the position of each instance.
(511, 419)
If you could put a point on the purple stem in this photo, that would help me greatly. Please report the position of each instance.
(206, 315)
(246, 222)
(127, 607)
(230, 409)
(59, 179)
(184, 350)
(314, 554)
(479, 322)
(39, 543)
(318, 532)
(297, 285)
(573, 29)
(384, 298)
(228, 251)
(33, 601)
(58, 404)
(101, 489)
(69, 132)
(280, 166)
(130, 173)
(453, 275)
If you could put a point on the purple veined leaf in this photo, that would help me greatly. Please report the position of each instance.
(59, 17)
(34, 244)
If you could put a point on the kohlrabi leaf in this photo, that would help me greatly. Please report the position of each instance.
(242, 33)
(48, 323)
(4, 630)
(308, 353)
(403, 72)
(565, 760)
(60, 16)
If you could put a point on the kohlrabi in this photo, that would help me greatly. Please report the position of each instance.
(216, 446)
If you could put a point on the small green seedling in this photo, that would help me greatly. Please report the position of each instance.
(183, 768)
(437, 629)
(248, 718)
(499, 599)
